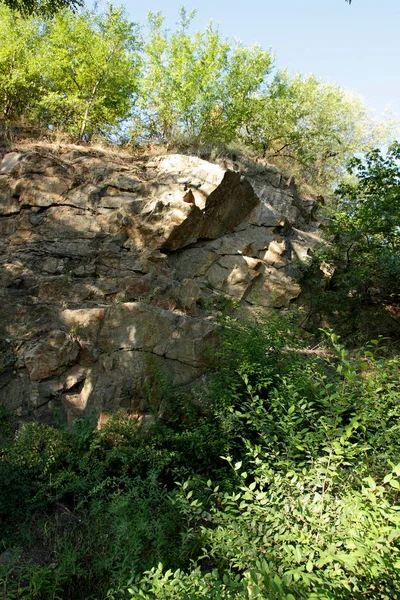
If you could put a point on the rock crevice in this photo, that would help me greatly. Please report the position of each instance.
(110, 269)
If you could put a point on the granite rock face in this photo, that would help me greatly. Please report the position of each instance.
(110, 269)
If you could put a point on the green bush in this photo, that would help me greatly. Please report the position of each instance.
(360, 296)
(280, 482)
(27, 465)
(313, 512)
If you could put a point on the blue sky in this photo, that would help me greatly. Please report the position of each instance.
(356, 47)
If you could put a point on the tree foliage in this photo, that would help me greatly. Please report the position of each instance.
(95, 73)
(45, 8)
(312, 126)
(90, 69)
(76, 73)
(360, 291)
(369, 207)
(181, 79)
(286, 487)
(366, 224)
(20, 69)
(196, 85)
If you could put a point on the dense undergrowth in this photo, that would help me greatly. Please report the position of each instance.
(279, 481)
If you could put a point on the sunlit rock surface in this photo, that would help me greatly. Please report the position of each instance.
(110, 270)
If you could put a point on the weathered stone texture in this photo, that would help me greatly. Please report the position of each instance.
(106, 267)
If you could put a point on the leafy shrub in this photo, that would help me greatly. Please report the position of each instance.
(26, 468)
(280, 482)
(313, 512)
(361, 294)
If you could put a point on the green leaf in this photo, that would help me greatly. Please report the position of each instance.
(297, 554)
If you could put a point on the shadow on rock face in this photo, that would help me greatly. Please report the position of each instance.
(108, 274)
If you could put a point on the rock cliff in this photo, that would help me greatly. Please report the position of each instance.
(110, 270)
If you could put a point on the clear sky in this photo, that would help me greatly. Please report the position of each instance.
(356, 46)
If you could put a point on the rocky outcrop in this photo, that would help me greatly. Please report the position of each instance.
(110, 270)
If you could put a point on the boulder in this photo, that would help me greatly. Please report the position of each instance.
(50, 355)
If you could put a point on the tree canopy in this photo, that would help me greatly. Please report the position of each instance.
(95, 73)
(42, 7)
(76, 73)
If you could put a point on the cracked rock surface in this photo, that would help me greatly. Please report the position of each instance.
(110, 267)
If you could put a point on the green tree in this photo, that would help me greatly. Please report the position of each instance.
(45, 8)
(196, 85)
(245, 78)
(369, 207)
(366, 226)
(20, 73)
(181, 81)
(310, 127)
(361, 295)
(90, 67)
